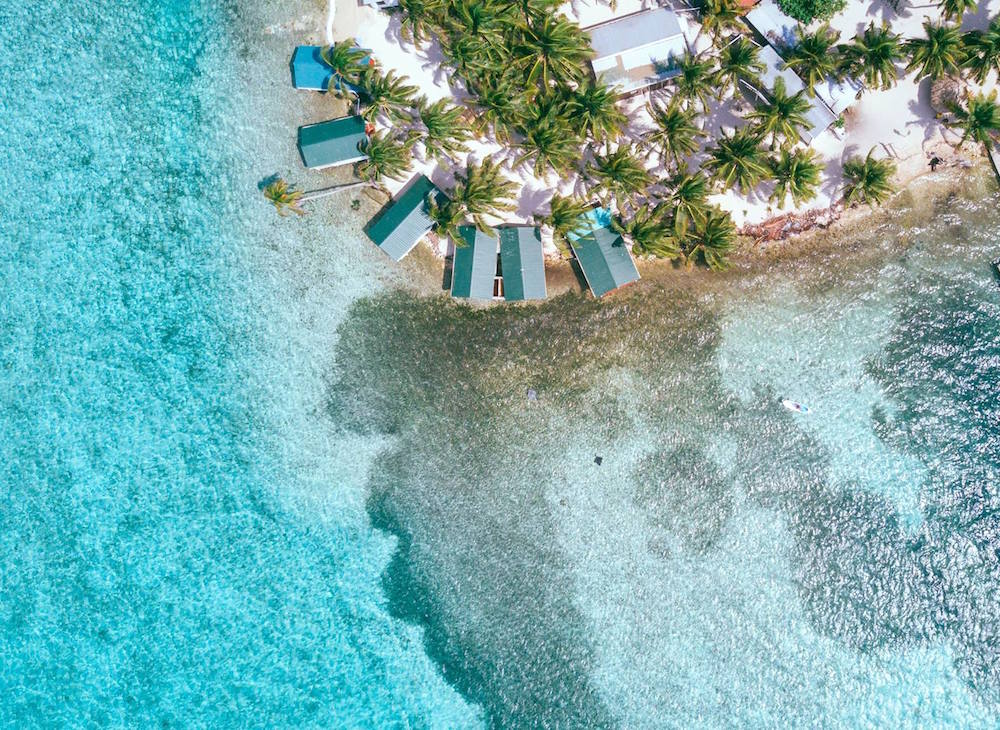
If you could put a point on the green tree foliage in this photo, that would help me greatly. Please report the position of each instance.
(677, 134)
(805, 11)
(873, 56)
(982, 51)
(711, 240)
(594, 109)
(483, 190)
(563, 218)
(695, 85)
(796, 173)
(445, 132)
(783, 115)
(867, 180)
(739, 61)
(346, 61)
(284, 197)
(386, 93)
(953, 10)
(738, 160)
(814, 57)
(939, 53)
(978, 119)
(387, 157)
(650, 233)
(620, 174)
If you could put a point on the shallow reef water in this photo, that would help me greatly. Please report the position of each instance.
(256, 475)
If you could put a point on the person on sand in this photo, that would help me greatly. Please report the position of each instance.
(935, 161)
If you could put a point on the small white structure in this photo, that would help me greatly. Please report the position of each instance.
(380, 4)
(638, 50)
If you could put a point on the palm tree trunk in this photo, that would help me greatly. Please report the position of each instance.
(323, 192)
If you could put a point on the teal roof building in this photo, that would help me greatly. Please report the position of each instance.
(331, 143)
(602, 254)
(521, 263)
(474, 270)
(310, 71)
(405, 220)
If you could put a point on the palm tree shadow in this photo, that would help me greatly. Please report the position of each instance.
(270, 179)
(884, 12)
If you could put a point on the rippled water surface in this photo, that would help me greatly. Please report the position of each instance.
(251, 478)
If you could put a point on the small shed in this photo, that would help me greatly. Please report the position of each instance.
(602, 253)
(334, 142)
(522, 264)
(474, 270)
(637, 50)
(401, 224)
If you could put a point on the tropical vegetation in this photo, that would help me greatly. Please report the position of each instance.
(868, 180)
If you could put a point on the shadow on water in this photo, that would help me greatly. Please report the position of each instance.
(463, 486)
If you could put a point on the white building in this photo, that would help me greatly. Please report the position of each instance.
(638, 50)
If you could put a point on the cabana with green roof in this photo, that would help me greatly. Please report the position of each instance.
(521, 263)
(602, 254)
(405, 220)
(331, 143)
(474, 269)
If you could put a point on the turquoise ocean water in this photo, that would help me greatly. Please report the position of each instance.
(251, 479)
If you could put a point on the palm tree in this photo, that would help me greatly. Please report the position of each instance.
(483, 20)
(594, 109)
(447, 216)
(284, 197)
(650, 234)
(387, 157)
(784, 115)
(446, 131)
(982, 51)
(979, 119)
(868, 180)
(711, 240)
(346, 61)
(739, 61)
(737, 159)
(796, 173)
(953, 10)
(563, 218)
(676, 135)
(549, 142)
(499, 106)
(717, 17)
(419, 17)
(695, 82)
(483, 190)
(550, 49)
(690, 200)
(814, 57)
(471, 57)
(937, 55)
(873, 56)
(620, 174)
(386, 94)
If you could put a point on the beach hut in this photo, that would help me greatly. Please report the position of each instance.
(474, 270)
(638, 50)
(404, 220)
(522, 265)
(310, 71)
(819, 115)
(603, 256)
(331, 143)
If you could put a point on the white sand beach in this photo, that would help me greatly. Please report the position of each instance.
(898, 122)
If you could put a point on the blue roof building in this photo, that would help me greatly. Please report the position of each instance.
(310, 71)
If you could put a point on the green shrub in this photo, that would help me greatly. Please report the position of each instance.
(806, 11)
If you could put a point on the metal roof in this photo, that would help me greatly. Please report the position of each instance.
(819, 115)
(768, 20)
(633, 31)
(334, 142)
(475, 264)
(522, 263)
(404, 221)
(637, 50)
(309, 70)
(602, 253)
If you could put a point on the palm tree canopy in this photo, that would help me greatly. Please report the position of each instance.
(483, 190)
(446, 130)
(940, 53)
(621, 174)
(796, 173)
(695, 81)
(979, 118)
(551, 49)
(953, 10)
(387, 157)
(783, 115)
(712, 239)
(718, 16)
(418, 15)
(549, 142)
(594, 109)
(386, 93)
(650, 233)
(677, 134)
(982, 51)
(345, 60)
(868, 180)
(690, 200)
(739, 61)
(873, 56)
(737, 159)
(563, 218)
(284, 197)
(813, 58)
